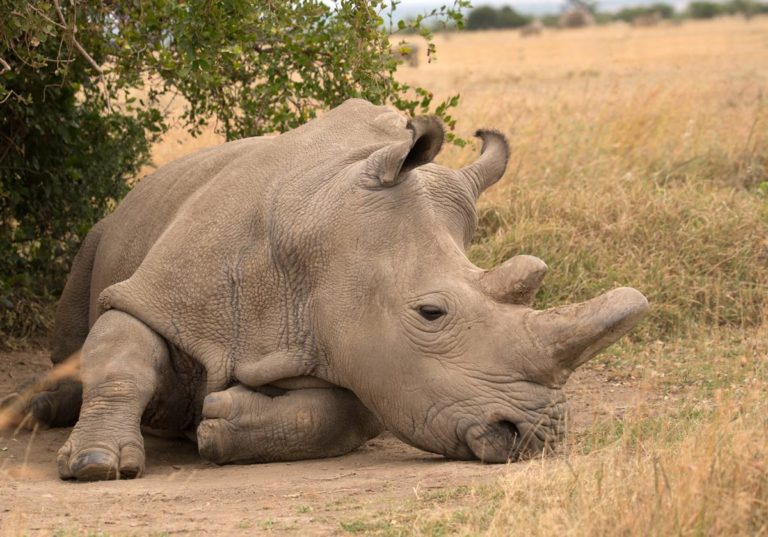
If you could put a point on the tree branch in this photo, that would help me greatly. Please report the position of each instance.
(5, 65)
(83, 52)
(46, 17)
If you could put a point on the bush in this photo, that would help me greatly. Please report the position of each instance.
(65, 162)
(82, 87)
(747, 8)
(550, 21)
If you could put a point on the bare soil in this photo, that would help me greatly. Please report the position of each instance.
(180, 493)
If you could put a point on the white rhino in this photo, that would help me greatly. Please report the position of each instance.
(288, 297)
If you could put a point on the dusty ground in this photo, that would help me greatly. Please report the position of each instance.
(180, 493)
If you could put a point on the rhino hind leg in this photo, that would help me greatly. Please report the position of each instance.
(59, 407)
(241, 425)
(123, 361)
(72, 323)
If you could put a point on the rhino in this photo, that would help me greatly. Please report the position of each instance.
(291, 297)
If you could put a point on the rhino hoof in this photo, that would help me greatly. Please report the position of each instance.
(101, 463)
(212, 441)
(94, 465)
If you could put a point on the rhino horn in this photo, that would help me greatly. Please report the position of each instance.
(573, 334)
(390, 164)
(490, 167)
(516, 280)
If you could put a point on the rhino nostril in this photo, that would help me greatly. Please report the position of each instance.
(496, 440)
(508, 429)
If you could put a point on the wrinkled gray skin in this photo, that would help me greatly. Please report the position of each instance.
(288, 297)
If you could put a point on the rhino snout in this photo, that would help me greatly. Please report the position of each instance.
(505, 440)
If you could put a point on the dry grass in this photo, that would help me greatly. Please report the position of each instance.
(704, 475)
(639, 158)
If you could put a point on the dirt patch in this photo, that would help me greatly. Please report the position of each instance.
(180, 493)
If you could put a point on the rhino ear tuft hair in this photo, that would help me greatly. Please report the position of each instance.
(389, 165)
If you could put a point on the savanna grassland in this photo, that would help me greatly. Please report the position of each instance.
(640, 158)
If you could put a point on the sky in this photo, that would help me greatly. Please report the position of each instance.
(533, 7)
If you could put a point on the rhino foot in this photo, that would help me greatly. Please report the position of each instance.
(241, 425)
(231, 424)
(123, 360)
(94, 452)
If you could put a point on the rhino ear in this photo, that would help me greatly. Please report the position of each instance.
(389, 165)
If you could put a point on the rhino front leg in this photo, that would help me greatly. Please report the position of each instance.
(241, 425)
(122, 361)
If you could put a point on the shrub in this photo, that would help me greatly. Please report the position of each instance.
(82, 87)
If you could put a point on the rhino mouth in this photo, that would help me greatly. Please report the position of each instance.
(503, 441)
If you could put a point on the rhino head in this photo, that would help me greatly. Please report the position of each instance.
(450, 357)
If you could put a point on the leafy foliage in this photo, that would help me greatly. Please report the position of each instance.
(84, 88)
(265, 67)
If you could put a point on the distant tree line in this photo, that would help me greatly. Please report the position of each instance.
(709, 10)
(489, 17)
(629, 14)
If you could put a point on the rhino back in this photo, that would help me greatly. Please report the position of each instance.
(205, 251)
(148, 211)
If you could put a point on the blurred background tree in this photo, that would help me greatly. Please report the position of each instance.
(629, 14)
(489, 17)
(84, 88)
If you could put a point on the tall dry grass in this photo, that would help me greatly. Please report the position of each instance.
(706, 477)
(697, 469)
(640, 157)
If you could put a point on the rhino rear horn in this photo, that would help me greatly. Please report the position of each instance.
(516, 280)
(390, 164)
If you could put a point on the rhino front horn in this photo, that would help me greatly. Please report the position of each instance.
(574, 334)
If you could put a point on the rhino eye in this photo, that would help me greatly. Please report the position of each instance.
(431, 313)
